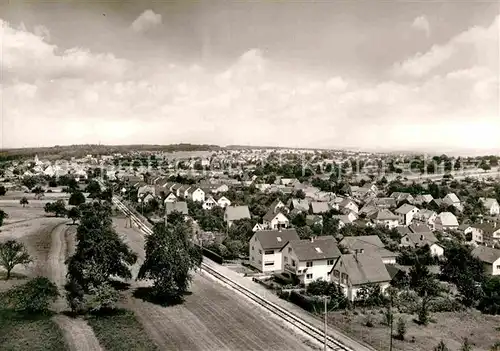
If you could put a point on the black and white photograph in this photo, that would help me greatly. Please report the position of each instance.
(261, 175)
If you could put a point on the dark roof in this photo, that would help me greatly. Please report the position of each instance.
(364, 269)
(486, 254)
(275, 239)
(369, 243)
(320, 248)
(419, 228)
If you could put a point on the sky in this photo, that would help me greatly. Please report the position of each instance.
(375, 75)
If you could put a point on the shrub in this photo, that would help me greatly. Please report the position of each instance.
(369, 321)
(401, 329)
(445, 304)
(408, 302)
(34, 296)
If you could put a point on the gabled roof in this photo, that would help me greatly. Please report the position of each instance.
(300, 204)
(384, 215)
(486, 254)
(275, 239)
(488, 202)
(405, 208)
(369, 243)
(178, 206)
(234, 213)
(363, 268)
(487, 228)
(421, 239)
(271, 214)
(452, 197)
(320, 207)
(447, 219)
(419, 228)
(319, 248)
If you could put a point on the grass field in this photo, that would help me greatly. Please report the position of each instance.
(33, 333)
(121, 331)
(451, 327)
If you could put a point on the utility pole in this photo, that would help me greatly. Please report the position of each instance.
(326, 324)
(392, 318)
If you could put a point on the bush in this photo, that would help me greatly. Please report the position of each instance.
(445, 304)
(34, 296)
(408, 302)
(401, 329)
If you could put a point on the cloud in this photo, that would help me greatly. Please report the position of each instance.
(421, 23)
(146, 21)
(78, 96)
(477, 45)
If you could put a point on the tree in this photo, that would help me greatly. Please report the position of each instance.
(100, 254)
(35, 296)
(13, 253)
(58, 208)
(24, 201)
(74, 214)
(466, 345)
(490, 301)
(94, 189)
(170, 257)
(3, 215)
(401, 329)
(76, 199)
(441, 347)
(3, 191)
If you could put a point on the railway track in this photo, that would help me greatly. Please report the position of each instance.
(303, 326)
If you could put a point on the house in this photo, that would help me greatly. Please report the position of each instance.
(265, 248)
(275, 220)
(446, 221)
(354, 271)
(348, 205)
(399, 197)
(421, 239)
(472, 234)
(423, 199)
(235, 213)
(209, 203)
(146, 189)
(223, 202)
(385, 218)
(370, 244)
(491, 206)
(314, 220)
(490, 258)
(319, 207)
(490, 231)
(170, 198)
(406, 213)
(257, 226)
(345, 219)
(310, 259)
(427, 217)
(195, 194)
(419, 228)
(299, 205)
(383, 202)
(148, 198)
(452, 199)
(178, 206)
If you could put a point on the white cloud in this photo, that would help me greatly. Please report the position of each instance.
(146, 21)
(422, 23)
(478, 45)
(76, 96)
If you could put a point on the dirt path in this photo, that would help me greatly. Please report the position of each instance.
(78, 334)
(212, 318)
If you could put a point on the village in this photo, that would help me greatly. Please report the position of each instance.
(357, 231)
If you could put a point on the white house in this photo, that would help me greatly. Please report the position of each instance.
(472, 234)
(195, 194)
(406, 213)
(275, 221)
(490, 258)
(446, 221)
(452, 200)
(491, 206)
(170, 198)
(427, 217)
(209, 203)
(353, 271)
(265, 248)
(422, 239)
(385, 218)
(257, 226)
(223, 202)
(310, 259)
(348, 205)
